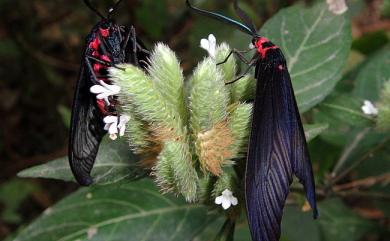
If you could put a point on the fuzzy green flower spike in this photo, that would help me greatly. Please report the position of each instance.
(187, 139)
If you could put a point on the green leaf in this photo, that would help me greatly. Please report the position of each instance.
(316, 44)
(347, 109)
(241, 232)
(114, 162)
(134, 211)
(338, 133)
(313, 130)
(211, 231)
(308, 227)
(338, 223)
(373, 75)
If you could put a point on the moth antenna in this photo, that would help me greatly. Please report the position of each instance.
(90, 6)
(242, 27)
(110, 11)
(244, 17)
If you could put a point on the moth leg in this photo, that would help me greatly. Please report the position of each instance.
(126, 42)
(250, 65)
(103, 47)
(133, 36)
(100, 61)
(89, 65)
(142, 49)
(144, 62)
(239, 54)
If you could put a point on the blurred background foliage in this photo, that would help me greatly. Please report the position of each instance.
(41, 44)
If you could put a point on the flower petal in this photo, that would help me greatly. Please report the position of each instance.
(112, 88)
(337, 6)
(368, 108)
(102, 95)
(124, 119)
(110, 119)
(227, 193)
(122, 130)
(204, 44)
(113, 137)
(234, 201)
(218, 200)
(97, 89)
(106, 127)
(212, 41)
(113, 129)
(226, 203)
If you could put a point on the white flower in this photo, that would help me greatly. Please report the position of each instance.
(369, 109)
(209, 45)
(337, 6)
(123, 119)
(226, 199)
(104, 90)
(115, 126)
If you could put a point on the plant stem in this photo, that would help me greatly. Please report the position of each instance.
(358, 162)
(348, 150)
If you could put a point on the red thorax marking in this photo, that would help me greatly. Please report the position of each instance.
(95, 54)
(104, 32)
(95, 44)
(102, 106)
(259, 46)
(105, 58)
(97, 67)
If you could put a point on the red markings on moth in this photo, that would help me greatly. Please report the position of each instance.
(102, 106)
(260, 49)
(99, 67)
(105, 58)
(104, 32)
(281, 67)
(95, 53)
(95, 44)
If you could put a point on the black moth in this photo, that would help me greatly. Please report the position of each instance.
(277, 144)
(108, 44)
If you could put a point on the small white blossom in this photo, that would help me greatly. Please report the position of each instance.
(209, 45)
(226, 199)
(369, 109)
(104, 90)
(115, 125)
(337, 6)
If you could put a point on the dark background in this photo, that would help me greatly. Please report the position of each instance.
(41, 43)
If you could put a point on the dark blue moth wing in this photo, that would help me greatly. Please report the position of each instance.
(86, 130)
(277, 149)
